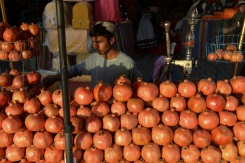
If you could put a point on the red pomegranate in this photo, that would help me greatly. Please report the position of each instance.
(168, 89)
(187, 89)
(206, 86)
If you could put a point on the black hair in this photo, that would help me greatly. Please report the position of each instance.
(100, 30)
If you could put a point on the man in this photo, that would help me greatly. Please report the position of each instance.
(106, 64)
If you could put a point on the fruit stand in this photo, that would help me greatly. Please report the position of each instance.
(128, 122)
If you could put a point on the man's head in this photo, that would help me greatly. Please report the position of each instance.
(103, 37)
(103, 28)
(241, 5)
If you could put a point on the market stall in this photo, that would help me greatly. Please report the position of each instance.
(128, 121)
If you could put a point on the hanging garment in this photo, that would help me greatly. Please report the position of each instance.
(107, 10)
(145, 37)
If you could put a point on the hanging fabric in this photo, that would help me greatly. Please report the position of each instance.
(145, 37)
(107, 10)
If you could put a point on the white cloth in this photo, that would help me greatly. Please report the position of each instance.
(145, 37)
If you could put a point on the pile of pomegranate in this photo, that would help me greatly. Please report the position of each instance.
(229, 54)
(128, 122)
(18, 43)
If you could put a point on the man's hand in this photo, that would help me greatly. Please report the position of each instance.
(49, 80)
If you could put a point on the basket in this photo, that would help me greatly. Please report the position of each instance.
(221, 41)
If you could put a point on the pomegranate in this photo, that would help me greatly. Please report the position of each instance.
(35, 122)
(33, 154)
(212, 56)
(122, 79)
(160, 104)
(227, 118)
(141, 135)
(53, 154)
(93, 155)
(9, 35)
(122, 92)
(11, 124)
(136, 85)
(182, 136)
(6, 139)
(231, 103)
(14, 153)
(102, 92)
(14, 56)
(122, 137)
(171, 152)
(84, 112)
(57, 97)
(178, 102)
(168, 89)
(102, 139)
(135, 105)
(20, 96)
(83, 140)
(237, 84)
(170, 117)
(237, 56)
(206, 86)
(51, 110)
(215, 102)
(222, 135)
(128, 121)
(45, 97)
(188, 119)
(190, 153)
(238, 130)
(147, 91)
(19, 82)
(162, 134)
(77, 123)
(111, 122)
(210, 154)
(118, 107)
(231, 47)
(202, 138)
(187, 89)
(42, 139)
(32, 106)
(148, 117)
(131, 152)
(197, 103)
(34, 29)
(33, 77)
(240, 113)
(227, 55)
(54, 124)
(208, 120)
(151, 152)
(23, 138)
(113, 153)
(100, 109)
(83, 96)
(229, 152)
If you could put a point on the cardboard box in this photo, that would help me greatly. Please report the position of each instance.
(82, 15)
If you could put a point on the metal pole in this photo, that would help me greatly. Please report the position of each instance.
(5, 20)
(239, 46)
(68, 128)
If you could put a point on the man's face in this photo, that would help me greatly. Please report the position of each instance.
(102, 45)
(242, 8)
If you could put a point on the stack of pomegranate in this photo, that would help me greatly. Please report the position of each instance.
(18, 42)
(129, 122)
(229, 54)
